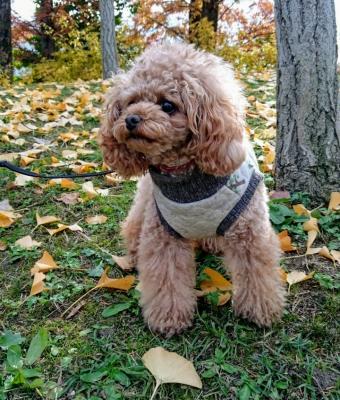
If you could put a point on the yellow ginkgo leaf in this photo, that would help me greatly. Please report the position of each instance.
(334, 203)
(45, 264)
(7, 218)
(123, 262)
(68, 184)
(300, 209)
(27, 242)
(223, 298)
(96, 219)
(26, 161)
(336, 255)
(62, 227)
(47, 219)
(298, 276)
(216, 281)
(286, 241)
(311, 225)
(311, 238)
(88, 188)
(121, 283)
(326, 253)
(69, 154)
(38, 284)
(170, 367)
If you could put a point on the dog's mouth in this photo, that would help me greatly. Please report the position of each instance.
(139, 138)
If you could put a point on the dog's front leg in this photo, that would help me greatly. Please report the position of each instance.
(167, 276)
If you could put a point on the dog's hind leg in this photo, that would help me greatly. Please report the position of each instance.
(166, 269)
(131, 227)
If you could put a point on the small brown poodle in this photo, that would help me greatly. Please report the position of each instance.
(177, 119)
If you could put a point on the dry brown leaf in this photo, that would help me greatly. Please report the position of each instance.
(45, 264)
(96, 219)
(300, 209)
(47, 219)
(38, 284)
(69, 198)
(334, 202)
(69, 154)
(298, 276)
(123, 262)
(311, 238)
(286, 241)
(170, 367)
(121, 283)
(27, 242)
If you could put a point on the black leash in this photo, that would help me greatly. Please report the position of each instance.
(23, 171)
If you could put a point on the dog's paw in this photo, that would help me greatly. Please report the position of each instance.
(168, 322)
(263, 311)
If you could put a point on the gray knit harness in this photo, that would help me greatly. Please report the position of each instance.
(197, 205)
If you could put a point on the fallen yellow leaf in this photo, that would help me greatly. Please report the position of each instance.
(300, 209)
(311, 225)
(170, 367)
(26, 161)
(325, 253)
(88, 188)
(62, 227)
(7, 218)
(96, 219)
(27, 242)
(336, 255)
(334, 203)
(3, 245)
(45, 264)
(286, 241)
(68, 184)
(298, 276)
(47, 219)
(121, 283)
(216, 281)
(38, 284)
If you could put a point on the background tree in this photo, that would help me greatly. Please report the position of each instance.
(5, 38)
(308, 146)
(44, 18)
(108, 38)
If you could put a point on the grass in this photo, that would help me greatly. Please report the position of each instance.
(90, 356)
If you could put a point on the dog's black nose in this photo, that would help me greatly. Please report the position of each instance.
(132, 121)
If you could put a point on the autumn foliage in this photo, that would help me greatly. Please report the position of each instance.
(63, 44)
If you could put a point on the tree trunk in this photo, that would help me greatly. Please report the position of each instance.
(210, 11)
(108, 38)
(308, 145)
(198, 10)
(5, 38)
(44, 17)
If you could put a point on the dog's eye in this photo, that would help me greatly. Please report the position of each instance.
(168, 107)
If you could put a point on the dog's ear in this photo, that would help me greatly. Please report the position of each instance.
(116, 155)
(216, 124)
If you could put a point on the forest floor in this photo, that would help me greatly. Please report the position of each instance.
(95, 352)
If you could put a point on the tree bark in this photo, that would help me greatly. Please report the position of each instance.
(308, 145)
(5, 38)
(198, 10)
(44, 17)
(108, 38)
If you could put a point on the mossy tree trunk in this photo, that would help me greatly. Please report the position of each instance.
(108, 38)
(308, 144)
(5, 38)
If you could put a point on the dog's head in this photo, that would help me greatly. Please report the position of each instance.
(175, 102)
